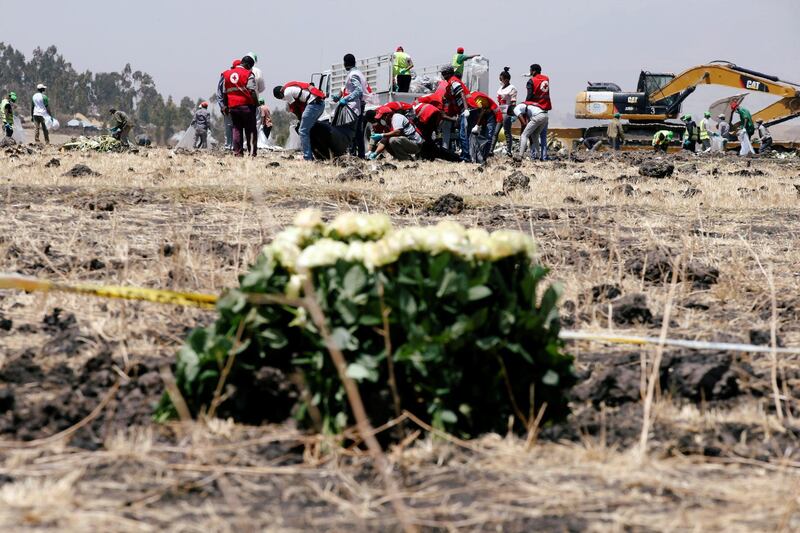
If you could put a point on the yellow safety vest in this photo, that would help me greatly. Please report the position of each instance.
(704, 136)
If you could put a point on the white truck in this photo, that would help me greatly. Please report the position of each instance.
(378, 71)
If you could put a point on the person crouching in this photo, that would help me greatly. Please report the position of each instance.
(402, 139)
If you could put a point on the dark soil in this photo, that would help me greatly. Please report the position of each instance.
(656, 169)
(80, 170)
(448, 204)
(516, 181)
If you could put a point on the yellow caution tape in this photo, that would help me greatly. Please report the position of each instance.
(187, 299)
(208, 301)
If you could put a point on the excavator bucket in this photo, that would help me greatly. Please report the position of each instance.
(723, 106)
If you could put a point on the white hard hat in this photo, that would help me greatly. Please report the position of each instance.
(41, 86)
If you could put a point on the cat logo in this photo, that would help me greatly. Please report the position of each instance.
(754, 85)
(633, 99)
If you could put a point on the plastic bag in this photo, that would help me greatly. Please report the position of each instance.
(744, 139)
(344, 116)
(293, 142)
(19, 133)
(51, 123)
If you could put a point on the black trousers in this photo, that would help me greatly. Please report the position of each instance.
(403, 82)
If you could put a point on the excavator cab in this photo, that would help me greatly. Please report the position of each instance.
(602, 100)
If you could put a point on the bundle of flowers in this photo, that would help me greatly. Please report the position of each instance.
(447, 323)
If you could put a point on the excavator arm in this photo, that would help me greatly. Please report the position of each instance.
(730, 75)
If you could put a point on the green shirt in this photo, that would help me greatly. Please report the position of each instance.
(458, 64)
(747, 121)
(401, 63)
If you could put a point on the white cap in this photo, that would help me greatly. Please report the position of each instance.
(41, 86)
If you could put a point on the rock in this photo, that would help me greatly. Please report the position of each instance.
(6, 399)
(80, 170)
(697, 376)
(55, 162)
(95, 264)
(656, 267)
(353, 174)
(7, 141)
(626, 189)
(273, 164)
(6, 323)
(763, 337)
(572, 200)
(691, 192)
(591, 178)
(605, 291)
(688, 168)
(747, 172)
(631, 309)
(656, 169)
(449, 204)
(797, 188)
(388, 166)
(516, 181)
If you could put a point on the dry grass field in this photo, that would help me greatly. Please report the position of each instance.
(79, 376)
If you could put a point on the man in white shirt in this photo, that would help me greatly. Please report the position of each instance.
(402, 140)
(40, 110)
(534, 120)
(354, 96)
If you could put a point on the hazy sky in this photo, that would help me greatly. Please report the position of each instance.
(186, 44)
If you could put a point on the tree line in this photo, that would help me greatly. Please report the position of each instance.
(91, 93)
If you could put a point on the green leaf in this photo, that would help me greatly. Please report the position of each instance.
(478, 293)
(355, 280)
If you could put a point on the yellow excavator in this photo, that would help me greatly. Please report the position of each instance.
(659, 96)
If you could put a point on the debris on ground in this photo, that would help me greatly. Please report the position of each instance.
(80, 170)
(656, 169)
(448, 204)
(516, 181)
(54, 162)
(102, 143)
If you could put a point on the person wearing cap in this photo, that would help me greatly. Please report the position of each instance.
(481, 125)
(764, 137)
(691, 134)
(225, 115)
(307, 103)
(240, 100)
(455, 97)
(723, 130)
(745, 118)
(705, 136)
(261, 85)
(458, 61)
(40, 110)
(401, 70)
(120, 126)
(264, 118)
(7, 112)
(202, 123)
(661, 140)
(401, 138)
(615, 133)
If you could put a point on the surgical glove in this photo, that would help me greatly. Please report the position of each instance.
(372, 155)
(465, 113)
(476, 130)
(376, 136)
(342, 101)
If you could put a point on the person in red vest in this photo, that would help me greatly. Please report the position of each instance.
(394, 133)
(450, 113)
(427, 118)
(456, 97)
(307, 103)
(539, 89)
(481, 123)
(220, 101)
(240, 99)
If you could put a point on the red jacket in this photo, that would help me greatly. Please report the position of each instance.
(427, 114)
(539, 92)
(472, 100)
(236, 87)
(298, 106)
(399, 107)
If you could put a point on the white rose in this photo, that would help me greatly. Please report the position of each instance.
(294, 286)
(505, 243)
(348, 225)
(479, 242)
(321, 253)
(308, 219)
